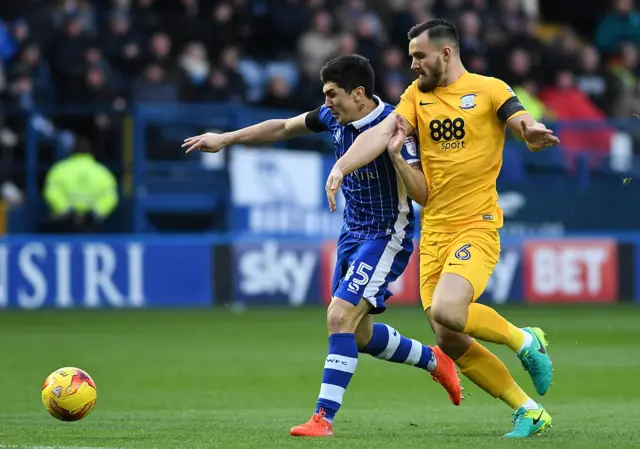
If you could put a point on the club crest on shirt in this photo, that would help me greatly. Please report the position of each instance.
(468, 101)
(337, 134)
(411, 145)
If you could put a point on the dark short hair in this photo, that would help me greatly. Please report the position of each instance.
(437, 29)
(349, 73)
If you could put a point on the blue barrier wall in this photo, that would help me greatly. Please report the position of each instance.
(128, 271)
(101, 272)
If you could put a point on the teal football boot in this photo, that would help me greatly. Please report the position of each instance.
(536, 360)
(529, 422)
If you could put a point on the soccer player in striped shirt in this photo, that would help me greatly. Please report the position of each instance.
(375, 243)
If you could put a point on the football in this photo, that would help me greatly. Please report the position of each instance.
(69, 394)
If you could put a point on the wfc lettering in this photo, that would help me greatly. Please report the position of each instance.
(63, 275)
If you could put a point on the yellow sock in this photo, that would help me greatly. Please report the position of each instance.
(486, 324)
(514, 396)
(488, 372)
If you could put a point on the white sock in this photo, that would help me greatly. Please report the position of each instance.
(530, 405)
(528, 339)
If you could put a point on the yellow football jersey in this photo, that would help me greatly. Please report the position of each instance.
(461, 130)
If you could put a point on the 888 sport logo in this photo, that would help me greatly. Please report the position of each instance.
(448, 133)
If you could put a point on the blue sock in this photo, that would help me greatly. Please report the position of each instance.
(338, 369)
(387, 344)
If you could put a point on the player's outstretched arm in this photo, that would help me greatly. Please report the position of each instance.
(367, 146)
(410, 173)
(266, 132)
(535, 134)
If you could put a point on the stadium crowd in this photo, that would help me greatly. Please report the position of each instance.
(269, 52)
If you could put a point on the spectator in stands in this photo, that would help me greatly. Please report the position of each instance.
(121, 45)
(625, 79)
(518, 67)
(99, 89)
(497, 42)
(21, 33)
(194, 70)
(351, 12)
(222, 30)
(626, 67)
(217, 89)
(591, 134)
(154, 87)
(527, 92)
(317, 45)
(619, 26)
(280, 95)
(288, 20)
(67, 51)
(230, 65)
(81, 11)
(393, 86)
(94, 58)
(394, 66)
(562, 54)
(160, 50)
(245, 26)
(80, 192)
(482, 8)
(407, 15)
(147, 16)
(449, 9)
(347, 44)
(30, 62)
(601, 87)
(187, 25)
(511, 16)
(369, 43)
(471, 43)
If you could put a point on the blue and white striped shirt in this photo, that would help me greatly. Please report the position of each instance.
(376, 202)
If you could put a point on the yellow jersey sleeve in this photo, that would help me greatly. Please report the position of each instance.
(407, 105)
(504, 100)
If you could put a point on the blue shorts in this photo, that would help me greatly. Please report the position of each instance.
(364, 268)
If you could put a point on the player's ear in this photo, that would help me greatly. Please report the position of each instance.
(358, 93)
(446, 54)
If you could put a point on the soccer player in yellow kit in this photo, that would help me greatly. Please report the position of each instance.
(461, 119)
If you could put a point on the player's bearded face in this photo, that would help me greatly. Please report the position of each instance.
(430, 74)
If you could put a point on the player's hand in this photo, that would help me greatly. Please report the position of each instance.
(538, 136)
(205, 143)
(334, 181)
(394, 147)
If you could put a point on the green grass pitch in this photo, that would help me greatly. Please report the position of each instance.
(188, 379)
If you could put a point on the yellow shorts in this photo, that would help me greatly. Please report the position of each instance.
(472, 254)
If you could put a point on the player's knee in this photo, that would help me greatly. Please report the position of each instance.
(451, 301)
(447, 316)
(342, 317)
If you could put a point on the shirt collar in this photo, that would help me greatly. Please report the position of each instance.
(371, 116)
